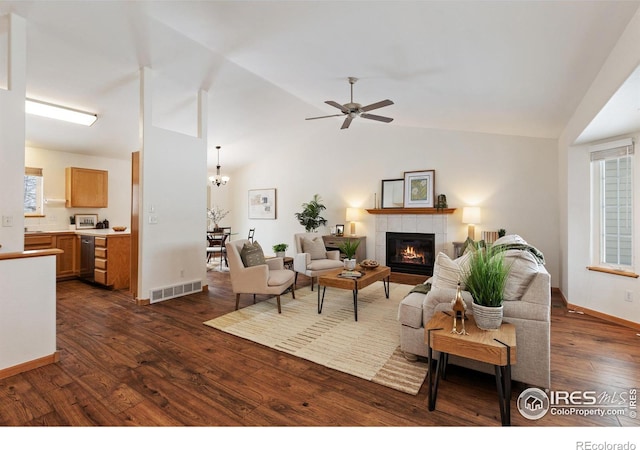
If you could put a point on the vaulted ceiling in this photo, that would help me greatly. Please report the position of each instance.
(514, 67)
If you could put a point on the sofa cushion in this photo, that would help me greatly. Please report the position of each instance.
(448, 272)
(440, 300)
(252, 254)
(523, 267)
(314, 247)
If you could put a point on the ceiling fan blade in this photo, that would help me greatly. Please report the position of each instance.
(323, 117)
(337, 105)
(346, 122)
(378, 118)
(376, 105)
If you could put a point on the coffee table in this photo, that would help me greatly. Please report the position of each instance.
(494, 347)
(369, 276)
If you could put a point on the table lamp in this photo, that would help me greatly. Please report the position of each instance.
(353, 215)
(471, 216)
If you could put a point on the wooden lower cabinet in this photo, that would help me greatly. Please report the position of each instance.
(112, 261)
(67, 265)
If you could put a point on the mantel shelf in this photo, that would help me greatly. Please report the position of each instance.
(411, 211)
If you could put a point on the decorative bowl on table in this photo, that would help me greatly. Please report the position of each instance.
(119, 228)
(367, 264)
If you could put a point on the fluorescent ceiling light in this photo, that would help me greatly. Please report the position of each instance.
(43, 109)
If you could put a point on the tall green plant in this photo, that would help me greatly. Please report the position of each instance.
(486, 277)
(310, 217)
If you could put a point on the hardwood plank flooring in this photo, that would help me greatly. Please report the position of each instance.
(158, 365)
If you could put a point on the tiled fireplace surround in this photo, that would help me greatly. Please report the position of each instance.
(410, 223)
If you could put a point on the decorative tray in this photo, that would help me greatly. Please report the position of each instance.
(369, 264)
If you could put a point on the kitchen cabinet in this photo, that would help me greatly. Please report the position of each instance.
(67, 262)
(112, 261)
(334, 242)
(86, 188)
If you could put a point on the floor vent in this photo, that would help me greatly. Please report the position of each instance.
(165, 293)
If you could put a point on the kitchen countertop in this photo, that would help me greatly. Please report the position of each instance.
(86, 232)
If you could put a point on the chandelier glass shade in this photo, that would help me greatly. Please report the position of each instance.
(218, 179)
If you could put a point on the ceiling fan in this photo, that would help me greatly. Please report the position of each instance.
(352, 110)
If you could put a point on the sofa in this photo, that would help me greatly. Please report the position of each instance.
(527, 305)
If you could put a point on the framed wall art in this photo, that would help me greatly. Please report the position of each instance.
(392, 193)
(84, 221)
(339, 230)
(418, 188)
(262, 203)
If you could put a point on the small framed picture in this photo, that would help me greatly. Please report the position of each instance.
(86, 221)
(339, 230)
(393, 193)
(418, 188)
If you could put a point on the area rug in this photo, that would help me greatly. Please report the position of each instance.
(368, 348)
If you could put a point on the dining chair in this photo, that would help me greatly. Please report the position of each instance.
(251, 233)
(216, 244)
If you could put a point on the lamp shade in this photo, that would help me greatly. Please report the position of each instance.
(353, 214)
(471, 215)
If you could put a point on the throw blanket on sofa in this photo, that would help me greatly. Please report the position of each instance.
(529, 248)
(422, 288)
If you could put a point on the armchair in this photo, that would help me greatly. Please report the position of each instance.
(270, 278)
(312, 258)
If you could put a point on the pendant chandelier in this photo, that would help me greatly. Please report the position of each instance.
(219, 180)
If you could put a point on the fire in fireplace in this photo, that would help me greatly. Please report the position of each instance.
(411, 252)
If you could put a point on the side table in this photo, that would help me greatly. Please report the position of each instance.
(494, 347)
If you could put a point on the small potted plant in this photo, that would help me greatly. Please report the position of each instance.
(349, 248)
(486, 278)
(280, 249)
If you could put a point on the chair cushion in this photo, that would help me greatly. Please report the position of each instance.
(280, 277)
(252, 254)
(314, 247)
(324, 264)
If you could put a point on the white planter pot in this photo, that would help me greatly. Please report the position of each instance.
(487, 317)
(280, 254)
(349, 264)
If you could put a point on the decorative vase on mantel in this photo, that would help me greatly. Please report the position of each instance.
(487, 317)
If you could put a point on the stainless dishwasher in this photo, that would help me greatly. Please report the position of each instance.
(87, 257)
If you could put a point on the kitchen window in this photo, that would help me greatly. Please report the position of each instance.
(33, 192)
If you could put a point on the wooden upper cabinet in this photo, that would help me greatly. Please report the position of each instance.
(86, 188)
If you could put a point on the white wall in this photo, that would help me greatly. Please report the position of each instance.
(513, 180)
(597, 291)
(53, 164)
(173, 168)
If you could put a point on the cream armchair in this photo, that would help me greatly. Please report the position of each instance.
(312, 258)
(270, 278)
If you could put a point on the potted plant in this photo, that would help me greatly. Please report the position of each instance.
(349, 248)
(310, 217)
(280, 249)
(486, 277)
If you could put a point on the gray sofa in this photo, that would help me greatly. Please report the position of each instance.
(527, 305)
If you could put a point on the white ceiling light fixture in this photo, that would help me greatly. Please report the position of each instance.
(43, 109)
(219, 180)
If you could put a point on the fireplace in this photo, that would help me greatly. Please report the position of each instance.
(412, 253)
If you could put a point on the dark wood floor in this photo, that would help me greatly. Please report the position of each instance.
(158, 365)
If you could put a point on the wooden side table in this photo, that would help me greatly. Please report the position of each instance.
(494, 347)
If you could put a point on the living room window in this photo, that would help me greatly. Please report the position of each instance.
(612, 204)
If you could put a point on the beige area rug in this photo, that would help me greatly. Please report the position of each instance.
(368, 348)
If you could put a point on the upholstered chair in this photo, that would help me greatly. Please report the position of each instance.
(312, 258)
(255, 275)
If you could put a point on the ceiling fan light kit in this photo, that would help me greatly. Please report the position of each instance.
(352, 110)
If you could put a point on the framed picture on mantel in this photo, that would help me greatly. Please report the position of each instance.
(392, 193)
(418, 188)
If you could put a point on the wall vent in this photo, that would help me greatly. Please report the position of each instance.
(165, 293)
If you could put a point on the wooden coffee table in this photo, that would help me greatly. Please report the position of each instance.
(369, 276)
(494, 347)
